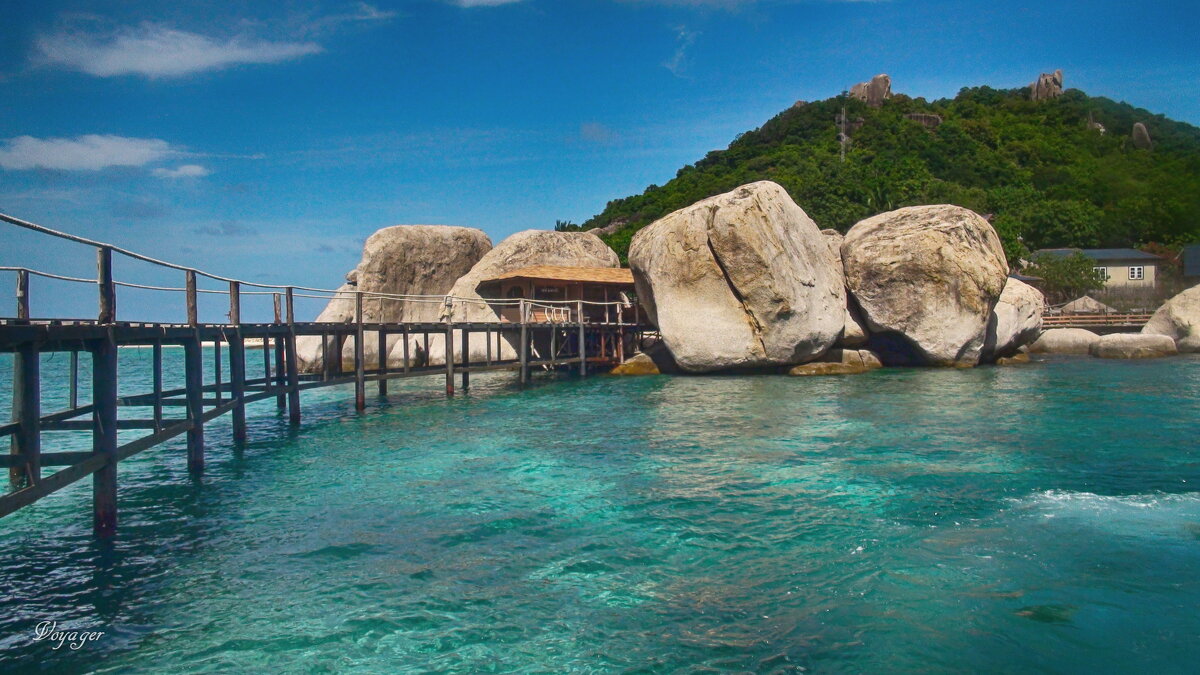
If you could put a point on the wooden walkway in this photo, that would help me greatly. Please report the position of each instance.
(574, 341)
(1098, 323)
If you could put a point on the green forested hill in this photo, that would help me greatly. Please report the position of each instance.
(1049, 179)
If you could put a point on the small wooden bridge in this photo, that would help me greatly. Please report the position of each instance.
(576, 335)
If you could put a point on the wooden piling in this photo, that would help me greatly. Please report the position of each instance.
(217, 369)
(487, 343)
(26, 443)
(104, 435)
(466, 358)
(280, 374)
(523, 346)
(108, 290)
(193, 370)
(406, 350)
(360, 374)
(158, 385)
(237, 364)
(383, 361)
(449, 359)
(582, 340)
(73, 385)
(293, 368)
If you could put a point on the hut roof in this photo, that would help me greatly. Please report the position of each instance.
(1087, 305)
(590, 275)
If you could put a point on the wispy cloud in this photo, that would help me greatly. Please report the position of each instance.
(225, 228)
(185, 171)
(91, 152)
(155, 50)
(484, 3)
(594, 132)
(684, 39)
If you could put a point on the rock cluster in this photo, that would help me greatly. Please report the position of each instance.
(1047, 86)
(1064, 341)
(1133, 346)
(740, 280)
(1179, 319)
(874, 92)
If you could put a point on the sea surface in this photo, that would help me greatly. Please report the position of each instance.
(1040, 518)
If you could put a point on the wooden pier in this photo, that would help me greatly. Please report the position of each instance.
(572, 341)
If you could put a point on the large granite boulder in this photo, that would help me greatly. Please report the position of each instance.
(741, 280)
(1133, 346)
(854, 334)
(1064, 341)
(1016, 320)
(840, 362)
(1047, 86)
(1179, 319)
(874, 92)
(400, 260)
(925, 279)
(523, 249)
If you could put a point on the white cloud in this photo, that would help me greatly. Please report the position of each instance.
(684, 39)
(155, 50)
(82, 153)
(185, 171)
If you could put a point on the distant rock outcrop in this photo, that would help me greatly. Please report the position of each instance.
(874, 92)
(400, 260)
(1179, 319)
(740, 280)
(926, 279)
(1141, 137)
(1016, 320)
(1047, 86)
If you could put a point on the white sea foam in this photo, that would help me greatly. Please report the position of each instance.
(1141, 515)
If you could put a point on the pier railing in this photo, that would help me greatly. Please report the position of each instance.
(542, 334)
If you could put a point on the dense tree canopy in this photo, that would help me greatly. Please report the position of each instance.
(1049, 178)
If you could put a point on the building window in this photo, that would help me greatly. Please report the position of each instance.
(1101, 272)
(1137, 273)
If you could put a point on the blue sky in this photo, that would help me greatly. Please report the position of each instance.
(268, 140)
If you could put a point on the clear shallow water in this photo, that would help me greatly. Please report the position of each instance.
(1001, 519)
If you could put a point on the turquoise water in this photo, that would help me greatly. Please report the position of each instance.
(1036, 518)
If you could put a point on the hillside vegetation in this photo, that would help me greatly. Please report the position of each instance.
(1048, 177)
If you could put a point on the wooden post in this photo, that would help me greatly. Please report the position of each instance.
(280, 374)
(237, 364)
(193, 370)
(466, 358)
(293, 369)
(324, 356)
(23, 294)
(383, 360)
(582, 341)
(27, 411)
(217, 369)
(108, 291)
(104, 436)
(360, 375)
(523, 346)
(74, 384)
(553, 346)
(266, 351)
(487, 343)
(278, 313)
(158, 386)
(406, 350)
(426, 337)
(449, 348)
(192, 315)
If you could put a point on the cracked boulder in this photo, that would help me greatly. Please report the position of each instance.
(743, 280)
(925, 279)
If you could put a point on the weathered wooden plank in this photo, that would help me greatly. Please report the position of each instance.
(193, 368)
(86, 425)
(293, 368)
(108, 290)
(26, 413)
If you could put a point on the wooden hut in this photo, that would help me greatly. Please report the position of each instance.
(544, 283)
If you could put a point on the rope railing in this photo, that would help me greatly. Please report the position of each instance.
(549, 310)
